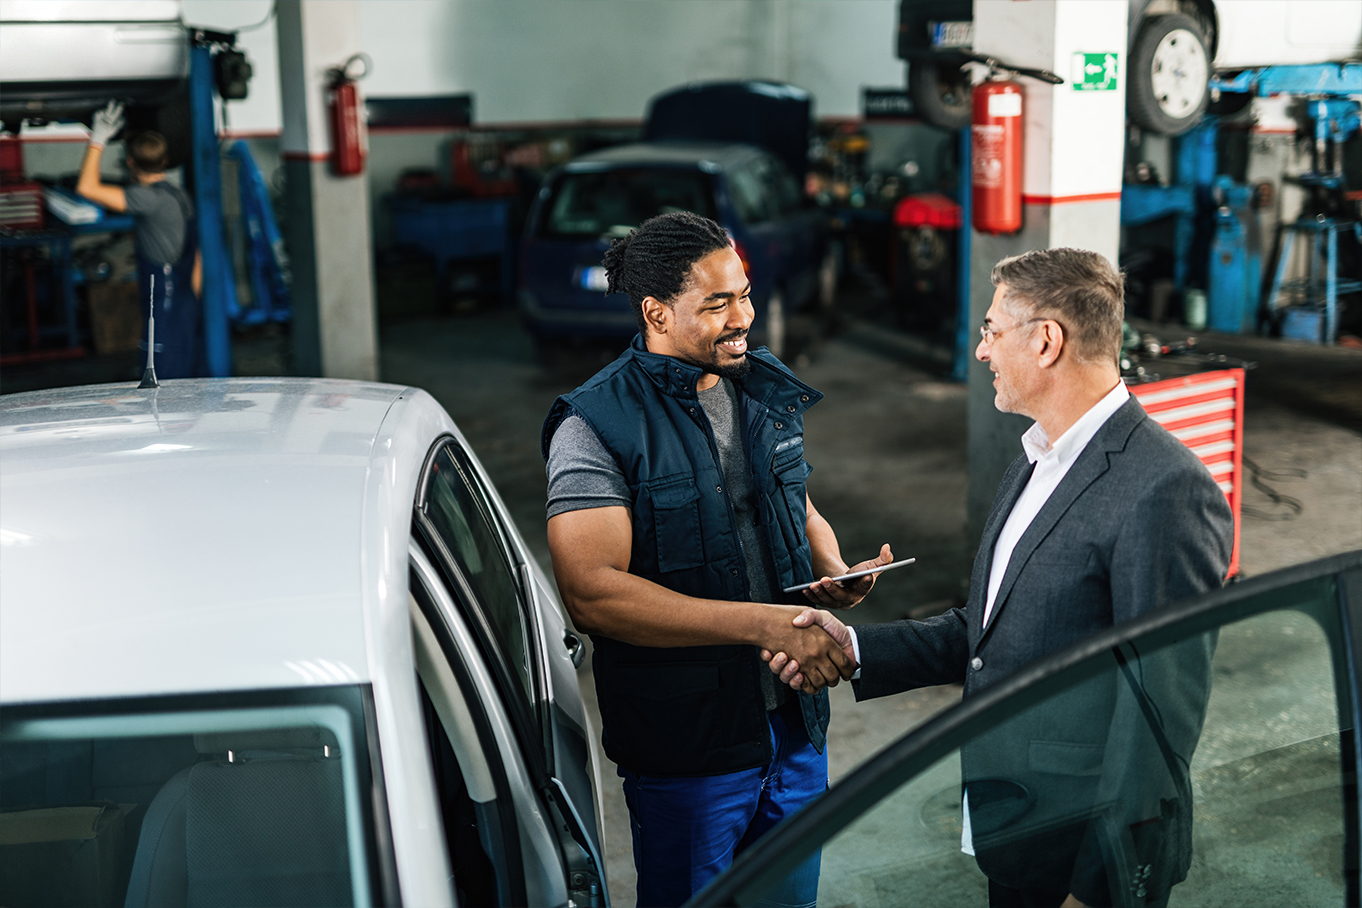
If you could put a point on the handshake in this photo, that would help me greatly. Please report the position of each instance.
(812, 651)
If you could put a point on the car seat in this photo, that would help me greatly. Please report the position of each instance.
(262, 822)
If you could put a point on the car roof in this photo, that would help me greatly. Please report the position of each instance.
(211, 534)
(720, 155)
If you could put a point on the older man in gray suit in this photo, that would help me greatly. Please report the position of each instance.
(1104, 517)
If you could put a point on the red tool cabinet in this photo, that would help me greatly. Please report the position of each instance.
(1206, 413)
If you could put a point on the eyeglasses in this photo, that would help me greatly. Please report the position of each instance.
(990, 333)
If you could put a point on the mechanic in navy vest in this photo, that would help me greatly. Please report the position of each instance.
(677, 509)
(169, 267)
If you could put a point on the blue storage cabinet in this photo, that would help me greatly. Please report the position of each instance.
(457, 229)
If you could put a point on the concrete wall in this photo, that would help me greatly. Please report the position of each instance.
(535, 60)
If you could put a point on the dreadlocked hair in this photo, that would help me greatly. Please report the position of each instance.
(655, 258)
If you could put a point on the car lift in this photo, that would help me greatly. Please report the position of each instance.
(216, 67)
(1215, 220)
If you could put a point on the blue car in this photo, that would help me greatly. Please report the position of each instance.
(582, 206)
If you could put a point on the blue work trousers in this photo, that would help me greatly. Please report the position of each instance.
(688, 830)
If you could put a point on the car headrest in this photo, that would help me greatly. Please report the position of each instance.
(313, 738)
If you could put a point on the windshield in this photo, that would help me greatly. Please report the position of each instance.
(613, 202)
(250, 799)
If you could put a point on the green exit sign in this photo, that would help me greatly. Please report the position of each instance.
(1094, 72)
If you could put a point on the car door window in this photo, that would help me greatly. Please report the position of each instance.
(471, 541)
(1207, 761)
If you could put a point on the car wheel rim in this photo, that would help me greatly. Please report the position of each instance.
(1178, 73)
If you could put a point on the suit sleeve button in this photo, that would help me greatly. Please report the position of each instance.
(790, 409)
(780, 425)
(976, 663)
(733, 571)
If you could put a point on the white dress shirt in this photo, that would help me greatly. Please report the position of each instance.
(1052, 463)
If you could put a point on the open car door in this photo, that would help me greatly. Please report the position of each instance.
(1224, 771)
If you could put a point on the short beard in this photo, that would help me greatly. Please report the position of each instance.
(732, 371)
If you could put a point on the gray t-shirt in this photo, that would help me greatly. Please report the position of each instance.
(161, 213)
(582, 474)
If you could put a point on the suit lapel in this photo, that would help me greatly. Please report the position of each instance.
(1009, 490)
(1092, 462)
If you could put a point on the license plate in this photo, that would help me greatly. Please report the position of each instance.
(593, 278)
(952, 34)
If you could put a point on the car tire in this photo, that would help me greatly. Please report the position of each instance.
(777, 327)
(1170, 69)
(940, 92)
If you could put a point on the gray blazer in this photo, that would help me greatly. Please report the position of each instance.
(1137, 523)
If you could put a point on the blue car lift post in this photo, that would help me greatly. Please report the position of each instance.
(1308, 306)
(219, 278)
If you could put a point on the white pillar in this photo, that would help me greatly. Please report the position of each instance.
(1072, 157)
(327, 225)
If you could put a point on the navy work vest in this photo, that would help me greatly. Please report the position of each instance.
(696, 710)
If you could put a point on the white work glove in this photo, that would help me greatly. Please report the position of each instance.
(106, 124)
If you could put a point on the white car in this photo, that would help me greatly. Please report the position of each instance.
(62, 58)
(276, 641)
(1174, 48)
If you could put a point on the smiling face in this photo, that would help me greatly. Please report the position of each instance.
(706, 324)
(1009, 357)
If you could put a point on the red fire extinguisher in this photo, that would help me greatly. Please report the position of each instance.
(349, 136)
(996, 156)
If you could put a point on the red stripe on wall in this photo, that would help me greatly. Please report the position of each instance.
(1061, 199)
(306, 156)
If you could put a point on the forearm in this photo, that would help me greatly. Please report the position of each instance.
(89, 170)
(634, 610)
(89, 185)
(825, 553)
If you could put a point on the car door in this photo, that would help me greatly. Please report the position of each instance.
(486, 585)
(1225, 769)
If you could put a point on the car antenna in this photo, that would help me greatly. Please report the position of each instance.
(149, 376)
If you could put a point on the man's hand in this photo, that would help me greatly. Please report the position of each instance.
(790, 669)
(825, 593)
(106, 124)
(820, 658)
(1071, 902)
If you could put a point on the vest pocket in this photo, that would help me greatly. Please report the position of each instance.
(788, 501)
(676, 523)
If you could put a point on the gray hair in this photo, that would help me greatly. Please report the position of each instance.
(1079, 289)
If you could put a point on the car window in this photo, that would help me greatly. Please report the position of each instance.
(252, 799)
(780, 186)
(613, 202)
(1210, 765)
(471, 537)
(751, 195)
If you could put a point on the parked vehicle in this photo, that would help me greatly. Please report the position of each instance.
(1254, 761)
(1174, 47)
(63, 61)
(782, 239)
(277, 641)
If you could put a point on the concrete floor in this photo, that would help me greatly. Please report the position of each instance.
(888, 449)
